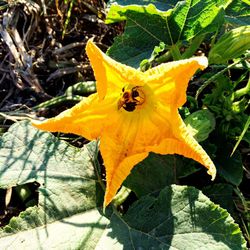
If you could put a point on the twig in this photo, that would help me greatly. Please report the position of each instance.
(68, 47)
(22, 68)
(65, 71)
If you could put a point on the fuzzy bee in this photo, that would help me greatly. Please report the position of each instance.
(131, 98)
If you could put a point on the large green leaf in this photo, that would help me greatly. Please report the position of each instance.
(67, 210)
(158, 171)
(179, 218)
(230, 167)
(80, 231)
(159, 4)
(191, 18)
(238, 12)
(221, 194)
(146, 27)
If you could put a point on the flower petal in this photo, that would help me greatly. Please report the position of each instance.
(124, 142)
(117, 173)
(183, 143)
(169, 81)
(127, 136)
(110, 75)
(87, 118)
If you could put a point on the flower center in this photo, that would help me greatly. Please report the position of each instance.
(131, 98)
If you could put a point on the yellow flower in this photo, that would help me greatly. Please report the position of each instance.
(133, 113)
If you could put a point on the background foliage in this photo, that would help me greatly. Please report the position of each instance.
(52, 190)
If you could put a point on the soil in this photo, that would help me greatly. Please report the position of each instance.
(42, 50)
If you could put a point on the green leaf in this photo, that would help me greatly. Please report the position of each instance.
(221, 194)
(230, 45)
(191, 18)
(229, 167)
(162, 5)
(80, 231)
(67, 193)
(242, 135)
(179, 218)
(146, 27)
(152, 174)
(158, 171)
(200, 123)
(140, 36)
(238, 12)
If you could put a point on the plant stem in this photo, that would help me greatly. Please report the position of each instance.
(121, 196)
(164, 58)
(213, 78)
(58, 100)
(175, 52)
(243, 91)
(193, 46)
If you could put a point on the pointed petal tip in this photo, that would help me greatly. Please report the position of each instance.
(212, 172)
(90, 46)
(107, 200)
(90, 43)
(92, 49)
(36, 123)
(203, 62)
(42, 125)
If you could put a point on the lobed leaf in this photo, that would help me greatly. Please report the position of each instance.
(179, 218)
(146, 27)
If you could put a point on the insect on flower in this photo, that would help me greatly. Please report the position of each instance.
(131, 98)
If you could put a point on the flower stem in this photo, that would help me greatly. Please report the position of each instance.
(193, 46)
(175, 52)
(243, 91)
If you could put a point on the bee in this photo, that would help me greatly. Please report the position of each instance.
(131, 98)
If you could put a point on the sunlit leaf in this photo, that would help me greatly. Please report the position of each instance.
(146, 27)
(162, 5)
(79, 231)
(191, 18)
(179, 218)
(230, 45)
(200, 123)
(67, 210)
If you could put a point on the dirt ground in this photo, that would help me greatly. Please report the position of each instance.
(42, 48)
